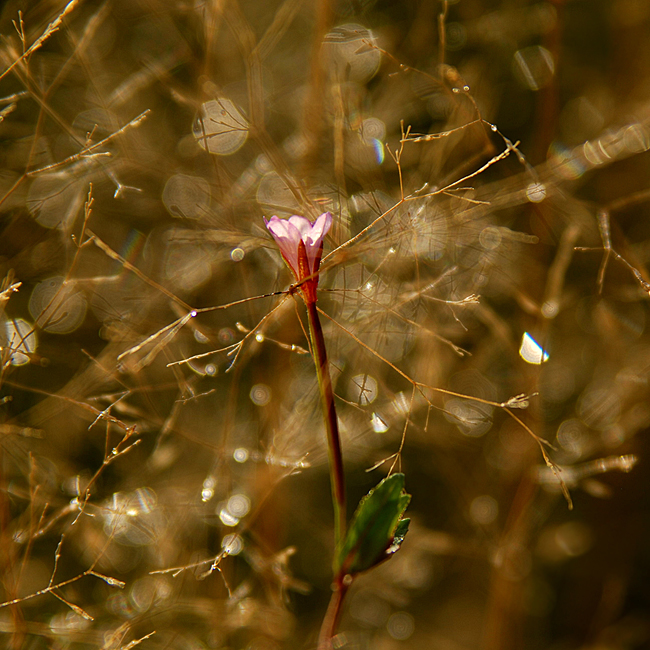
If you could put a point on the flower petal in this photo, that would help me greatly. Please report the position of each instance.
(314, 239)
(320, 228)
(302, 224)
(287, 237)
(288, 233)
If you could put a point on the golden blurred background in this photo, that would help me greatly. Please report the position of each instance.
(163, 477)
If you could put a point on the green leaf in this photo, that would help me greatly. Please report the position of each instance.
(377, 528)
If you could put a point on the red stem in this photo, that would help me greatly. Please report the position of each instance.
(337, 477)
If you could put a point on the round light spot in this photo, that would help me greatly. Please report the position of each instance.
(484, 510)
(226, 335)
(237, 254)
(372, 129)
(274, 192)
(220, 128)
(350, 53)
(239, 505)
(572, 437)
(227, 519)
(208, 489)
(536, 192)
(232, 544)
(240, 454)
(490, 238)
(260, 394)
(187, 197)
(400, 626)
(57, 307)
(456, 37)
(363, 389)
(550, 309)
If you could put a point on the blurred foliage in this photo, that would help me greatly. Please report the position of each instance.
(163, 465)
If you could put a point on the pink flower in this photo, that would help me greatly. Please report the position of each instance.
(301, 244)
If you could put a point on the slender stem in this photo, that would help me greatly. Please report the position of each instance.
(337, 478)
(331, 620)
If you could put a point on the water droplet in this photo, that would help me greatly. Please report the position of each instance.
(240, 454)
(259, 337)
(237, 254)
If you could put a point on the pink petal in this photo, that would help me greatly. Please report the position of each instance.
(287, 237)
(319, 229)
(302, 224)
(289, 232)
